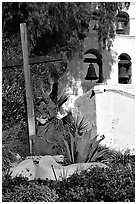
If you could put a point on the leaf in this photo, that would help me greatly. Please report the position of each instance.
(68, 150)
(83, 146)
(62, 100)
(97, 155)
(92, 140)
(76, 137)
(81, 126)
(67, 120)
(94, 147)
(72, 141)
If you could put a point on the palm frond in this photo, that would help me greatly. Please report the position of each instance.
(97, 155)
(83, 146)
(62, 100)
(67, 150)
(72, 143)
(92, 140)
(94, 146)
(78, 126)
(82, 125)
(67, 120)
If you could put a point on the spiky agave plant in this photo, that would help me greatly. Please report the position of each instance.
(82, 147)
(117, 157)
(88, 148)
(76, 129)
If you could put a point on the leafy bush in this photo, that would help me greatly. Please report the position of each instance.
(20, 190)
(114, 184)
(13, 97)
(116, 156)
(113, 157)
(16, 139)
(110, 185)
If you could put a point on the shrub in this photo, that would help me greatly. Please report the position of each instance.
(16, 139)
(110, 185)
(114, 184)
(21, 190)
(113, 157)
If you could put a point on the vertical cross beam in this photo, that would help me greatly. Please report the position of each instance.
(29, 96)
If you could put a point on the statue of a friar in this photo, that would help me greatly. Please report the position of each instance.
(49, 136)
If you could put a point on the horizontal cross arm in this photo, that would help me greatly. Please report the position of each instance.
(35, 60)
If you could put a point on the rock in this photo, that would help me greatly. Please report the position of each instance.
(46, 167)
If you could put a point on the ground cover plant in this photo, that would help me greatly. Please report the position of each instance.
(114, 184)
(20, 190)
(110, 185)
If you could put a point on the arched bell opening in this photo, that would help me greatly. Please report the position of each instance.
(91, 73)
(124, 69)
(123, 23)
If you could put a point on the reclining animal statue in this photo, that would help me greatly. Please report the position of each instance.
(47, 167)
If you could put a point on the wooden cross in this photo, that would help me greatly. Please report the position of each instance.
(26, 62)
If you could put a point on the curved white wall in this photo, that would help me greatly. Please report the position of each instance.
(115, 115)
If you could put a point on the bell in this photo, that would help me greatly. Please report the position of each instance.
(123, 75)
(91, 74)
(120, 27)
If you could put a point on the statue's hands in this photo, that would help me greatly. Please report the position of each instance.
(42, 119)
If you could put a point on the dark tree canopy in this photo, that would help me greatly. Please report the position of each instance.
(52, 27)
(55, 25)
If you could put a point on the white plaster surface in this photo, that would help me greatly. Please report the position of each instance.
(115, 116)
(112, 111)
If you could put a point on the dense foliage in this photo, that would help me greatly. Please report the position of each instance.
(13, 98)
(20, 190)
(115, 184)
(52, 27)
(105, 17)
(48, 24)
(110, 185)
(56, 25)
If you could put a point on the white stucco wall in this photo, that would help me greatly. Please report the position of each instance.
(110, 112)
(115, 115)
